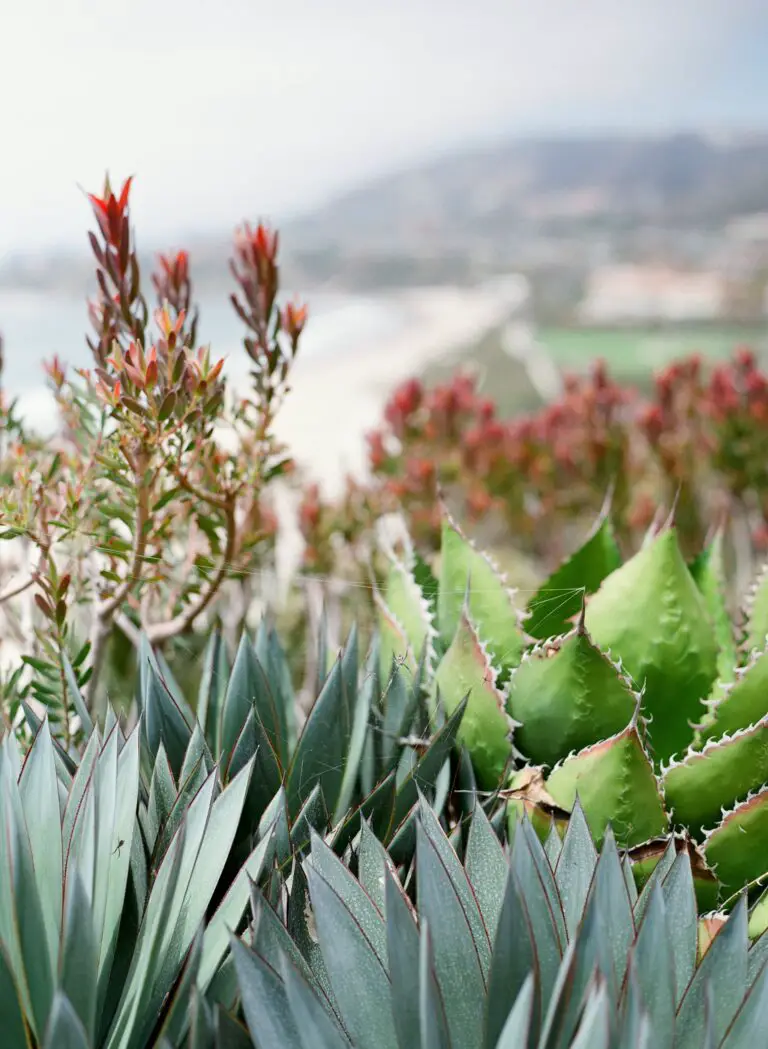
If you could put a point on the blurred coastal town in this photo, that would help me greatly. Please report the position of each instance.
(607, 231)
(525, 259)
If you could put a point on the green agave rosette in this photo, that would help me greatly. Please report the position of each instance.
(616, 784)
(651, 615)
(565, 695)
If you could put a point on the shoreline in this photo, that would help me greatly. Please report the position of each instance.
(337, 398)
(338, 395)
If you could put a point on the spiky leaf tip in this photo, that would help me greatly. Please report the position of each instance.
(410, 607)
(616, 784)
(646, 857)
(468, 575)
(560, 598)
(708, 571)
(756, 612)
(738, 703)
(651, 615)
(565, 695)
(722, 773)
(394, 644)
(527, 795)
(466, 669)
(737, 848)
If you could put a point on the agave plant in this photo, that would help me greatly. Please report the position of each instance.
(101, 942)
(366, 748)
(626, 683)
(544, 947)
(132, 861)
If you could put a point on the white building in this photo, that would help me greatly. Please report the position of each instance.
(640, 293)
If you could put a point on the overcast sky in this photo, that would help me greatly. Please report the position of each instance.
(242, 108)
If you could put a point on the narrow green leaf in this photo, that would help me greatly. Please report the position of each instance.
(360, 981)
(162, 795)
(652, 966)
(253, 745)
(317, 1028)
(229, 913)
(680, 908)
(433, 1018)
(77, 697)
(487, 869)
(460, 883)
(321, 751)
(609, 889)
(213, 687)
(22, 920)
(163, 718)
(373, 863)
(64, 1030)
(354, 897)
(575, 869)
(514, 970)
(724, 968)
(272, 942)
(312, 816)
(273, 659)
(536, 884)
(595, 1028)
(516, 1031)
(423, 775)
(78, 967)
(403, 953)
(39, 792)
(11, 1009)
(749, 1026)
(363, 702)
(264, 1000)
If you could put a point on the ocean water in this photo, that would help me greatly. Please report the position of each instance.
(36, 326)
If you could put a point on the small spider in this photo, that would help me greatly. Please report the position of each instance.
(118, 847)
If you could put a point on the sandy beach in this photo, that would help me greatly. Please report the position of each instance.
(337, 398)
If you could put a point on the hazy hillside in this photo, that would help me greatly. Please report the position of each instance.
(554, 206)
(690, 179)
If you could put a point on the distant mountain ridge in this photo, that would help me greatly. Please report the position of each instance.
(517, 204)
(689, 179)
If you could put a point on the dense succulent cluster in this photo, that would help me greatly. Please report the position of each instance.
(700, 437)
(409, 859)
(622, 683)
(128, 864)
(420, 855)
(147, 907)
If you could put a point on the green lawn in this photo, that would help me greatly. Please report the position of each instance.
(632, 356)
(632, 353)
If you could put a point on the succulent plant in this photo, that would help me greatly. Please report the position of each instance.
(103, 939)
(541, 946)
(131, 862)
(623, 683)
(367, 747)
(387, 909)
